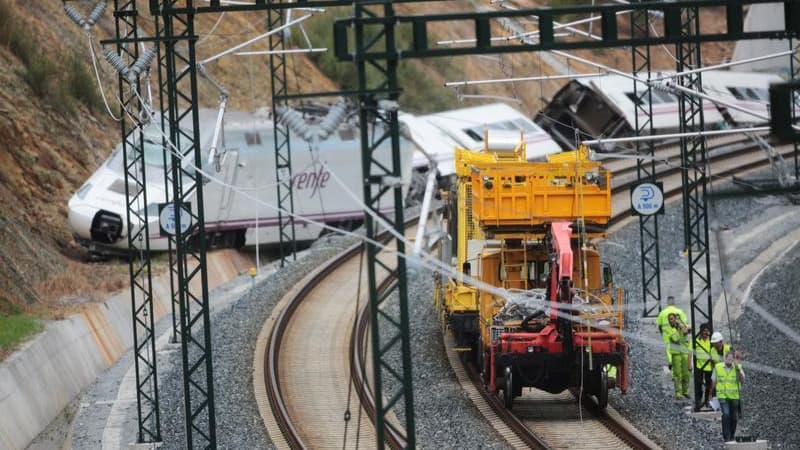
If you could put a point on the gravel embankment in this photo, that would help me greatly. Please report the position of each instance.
(444, 416)
(649, 405)
(234, 333)
(770, 401)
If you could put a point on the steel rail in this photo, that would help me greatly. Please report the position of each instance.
(617, 428)
(675, 192)
(358, 369)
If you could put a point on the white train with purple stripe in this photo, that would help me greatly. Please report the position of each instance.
(246, 167)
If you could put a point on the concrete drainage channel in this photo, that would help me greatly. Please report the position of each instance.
(41, 384)
(238, 309)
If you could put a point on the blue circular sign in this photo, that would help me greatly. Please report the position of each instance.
(167, 222)
(647, 199)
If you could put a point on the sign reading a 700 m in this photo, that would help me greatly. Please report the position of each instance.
(647, 199)
(166, 218)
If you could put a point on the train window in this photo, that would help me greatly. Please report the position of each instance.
(507, 125)
(663, 97)
(757, 94)
(252, 138)
(736, 93)
(475, 133)
(154, 153)
(634, 99)
(526, 125)
(657, 97)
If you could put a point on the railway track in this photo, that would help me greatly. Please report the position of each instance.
(307, 364)
(730, 157)
(311, 362)
(547, 421)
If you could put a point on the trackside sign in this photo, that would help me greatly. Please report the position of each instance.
(166, 218)
(647, 199)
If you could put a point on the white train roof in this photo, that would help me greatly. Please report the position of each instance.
(438, 134)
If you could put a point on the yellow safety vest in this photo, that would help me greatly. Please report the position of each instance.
(678, 341)
(727, 382)
(702, 354)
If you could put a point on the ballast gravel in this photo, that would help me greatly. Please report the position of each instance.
(649, 404)
(234, 332)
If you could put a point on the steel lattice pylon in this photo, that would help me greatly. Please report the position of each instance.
(283, 151)
(388, 309)
(694, 168)
(794, 69)
(646, 168)
(144, 347)
(163, 123)
(187, 184)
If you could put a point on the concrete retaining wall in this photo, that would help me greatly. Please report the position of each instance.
(40, 379)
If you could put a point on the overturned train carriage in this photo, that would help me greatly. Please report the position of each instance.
(607, 105)
(532, 301)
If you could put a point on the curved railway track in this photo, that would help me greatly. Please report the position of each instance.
(306, 358)
(310, 359)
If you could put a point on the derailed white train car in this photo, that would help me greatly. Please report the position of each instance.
(605, 106)
(97, 213)
(438, 134)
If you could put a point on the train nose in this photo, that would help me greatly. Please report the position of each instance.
(106, 227)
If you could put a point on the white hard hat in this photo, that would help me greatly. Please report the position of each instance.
(716, 337)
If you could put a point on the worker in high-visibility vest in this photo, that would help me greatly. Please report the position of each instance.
(679, 351)
(718, 347)
(663, 324)
(703, 366)
(727, 380)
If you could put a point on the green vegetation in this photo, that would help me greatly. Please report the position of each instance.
(15, 326)
(419, 93)
(81, 84)
(62, 85)
(14, 329)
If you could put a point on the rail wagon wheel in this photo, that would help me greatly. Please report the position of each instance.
(508, 391)
(602, 393)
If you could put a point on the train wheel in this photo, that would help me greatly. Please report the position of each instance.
(602, 393)
(508, 391)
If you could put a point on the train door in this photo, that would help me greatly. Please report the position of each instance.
(227, 174)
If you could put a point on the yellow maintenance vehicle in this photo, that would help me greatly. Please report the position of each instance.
(529, 298)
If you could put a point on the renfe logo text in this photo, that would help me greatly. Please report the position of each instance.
(311, 180)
